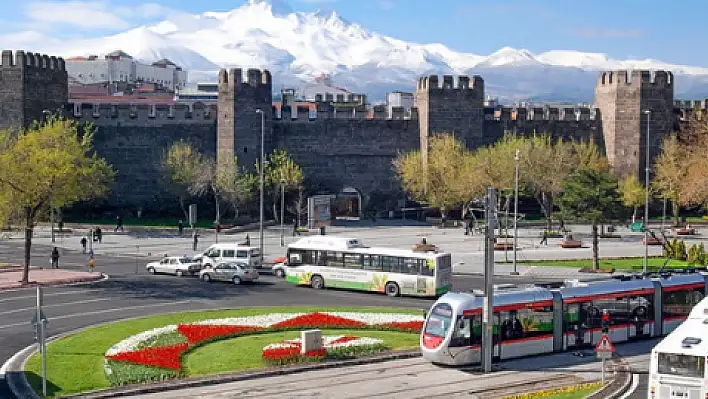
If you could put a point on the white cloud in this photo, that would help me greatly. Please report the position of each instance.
(92, 14)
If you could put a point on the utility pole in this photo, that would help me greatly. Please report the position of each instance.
(516, 209)
(488, 303)
(40, 323)
(282, 212)
(646, 198)
(262, 176)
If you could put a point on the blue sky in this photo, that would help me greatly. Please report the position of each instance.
(620, 28)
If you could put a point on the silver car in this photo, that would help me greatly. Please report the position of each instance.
(236, 272)
(177, 265)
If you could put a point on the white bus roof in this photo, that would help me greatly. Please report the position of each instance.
(674, 342)
(229, 245)
(350, 244)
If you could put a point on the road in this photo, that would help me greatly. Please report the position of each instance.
(129, 294)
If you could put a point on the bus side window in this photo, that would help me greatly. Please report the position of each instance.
(372, 262)
(425, 267)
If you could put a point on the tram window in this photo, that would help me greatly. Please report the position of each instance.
(391, 264)
(352, 261)
(531, 322)
(411, 266)
(581, 314)
(679, 303)
(372, 262)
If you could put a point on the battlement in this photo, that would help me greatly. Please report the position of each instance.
(322, 112)
(235, 78)
(448, 82)
(691, 104)
(348, 98)
(21, 59)
(125, 113)
(643, 77)
(519, 114)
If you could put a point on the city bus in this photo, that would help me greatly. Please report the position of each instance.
(341, 262)
(678, 363)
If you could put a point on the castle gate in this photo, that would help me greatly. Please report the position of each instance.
(347, 204)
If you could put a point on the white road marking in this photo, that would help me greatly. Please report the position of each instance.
(47, 294)
(632, 388)
(56, 305)
(68, 316)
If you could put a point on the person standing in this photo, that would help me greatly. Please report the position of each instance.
(83, 245)
(180, 227)
(195, 241)
(55, 258)
(296, 226)
(119, 224)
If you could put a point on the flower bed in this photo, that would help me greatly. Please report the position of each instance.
(145, 357)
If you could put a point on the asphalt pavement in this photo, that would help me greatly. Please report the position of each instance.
(132, 292)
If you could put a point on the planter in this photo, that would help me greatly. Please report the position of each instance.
(571, 244)
(685, 232)
(501, 246)
(610, 236)
(425, 248)
(653, 241)
(591, 270)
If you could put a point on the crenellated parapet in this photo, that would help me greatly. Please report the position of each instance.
(546, 113)
(234, 79)
(143, 114)
(637, 77)
(346, 98)
(22, 59)
(324, 112)
(448, 82)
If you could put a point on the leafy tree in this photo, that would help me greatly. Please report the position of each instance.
(280, 173)
(633, 194)
(444, 180)
(181, 168)
(590, 195)
(671, 170)
(207, 180)
(234, 184)
(49, 163)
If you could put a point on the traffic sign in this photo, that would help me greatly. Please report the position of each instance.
(605, 345)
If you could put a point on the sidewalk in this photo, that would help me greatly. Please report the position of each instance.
(467, 250)
(10, 278)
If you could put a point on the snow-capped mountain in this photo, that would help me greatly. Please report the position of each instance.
(298, 46)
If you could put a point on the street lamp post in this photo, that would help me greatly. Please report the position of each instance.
(646, 198)
(282, 212)
(516, 209)
(262, 167)
(46, 114)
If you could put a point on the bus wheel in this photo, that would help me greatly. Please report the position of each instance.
(392, 289)
(317, 282)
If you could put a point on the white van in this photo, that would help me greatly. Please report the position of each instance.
(218, 253)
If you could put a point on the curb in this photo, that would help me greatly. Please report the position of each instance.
(619, 384)
(241, 376)
(57, 283)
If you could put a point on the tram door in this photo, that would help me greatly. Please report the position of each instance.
(497, 337)
(579, 320)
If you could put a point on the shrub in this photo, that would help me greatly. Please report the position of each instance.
(701, 257)
(681, 251)
(692, 255)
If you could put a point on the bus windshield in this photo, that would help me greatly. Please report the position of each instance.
(681, 365)
(439, 321)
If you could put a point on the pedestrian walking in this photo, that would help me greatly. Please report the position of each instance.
(83, 245)
(544, 239)
(248, 240)
(55, 258)
(180, 227)
(195, 241)
(99, 235)
(119, 224)
(92, 263)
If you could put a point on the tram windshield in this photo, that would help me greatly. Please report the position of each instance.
(439, 321)
(681, 365)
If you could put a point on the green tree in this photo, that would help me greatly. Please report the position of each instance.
(181, 168)
(671, 169)
(633, 194)
(234, 184)
(48, 163)
(593, 196)
(280, 173)
(444, 180)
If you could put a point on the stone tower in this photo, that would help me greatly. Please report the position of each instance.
(239, 125)
(30, 84)
(622, 99)
(458, 110)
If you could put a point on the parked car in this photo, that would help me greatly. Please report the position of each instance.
(177, 265)
(229, 252)
(280, 269)
(236, 272)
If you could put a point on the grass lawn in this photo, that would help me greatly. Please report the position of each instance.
(75, 363)
(143, 222)
(620, 264)
(220, 356)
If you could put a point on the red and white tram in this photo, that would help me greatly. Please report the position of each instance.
(540, 320)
